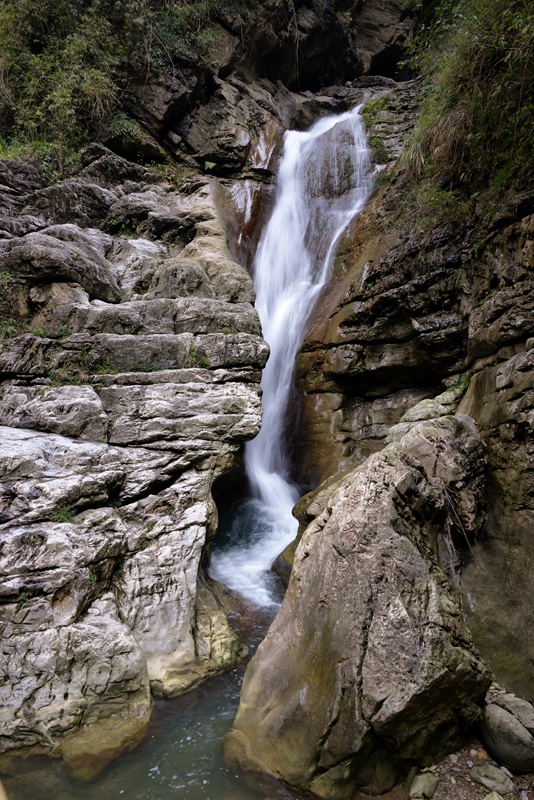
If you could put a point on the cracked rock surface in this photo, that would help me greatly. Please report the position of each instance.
(369, 665)
(131, 357)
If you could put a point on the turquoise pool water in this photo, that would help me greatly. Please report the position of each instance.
(181, 758)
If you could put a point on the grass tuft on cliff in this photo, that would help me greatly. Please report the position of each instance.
(474, 134)
(65, 63)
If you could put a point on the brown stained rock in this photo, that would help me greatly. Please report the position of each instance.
(369, 636)
(90, 749)
(498, 586)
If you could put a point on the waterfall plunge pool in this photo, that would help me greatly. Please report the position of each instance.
(180, 758)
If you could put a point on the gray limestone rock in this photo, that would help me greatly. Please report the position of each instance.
(74, 201)
(522, 709)
(40, 258)
(169, 412)
(135, 260)
(115, 420)
(370, 635)
(163, 315)
(423, 786)
(507, 739)
(47, 670)
(224, 274)
(88, 239)
(178, 277)
(70, 410)
(492, 778)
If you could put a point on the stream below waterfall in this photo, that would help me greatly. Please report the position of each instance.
(324, 181)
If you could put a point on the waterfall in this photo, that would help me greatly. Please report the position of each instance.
(323, 182)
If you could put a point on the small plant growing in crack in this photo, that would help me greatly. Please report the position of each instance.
(366, 629)
(64, 514)
(22, 600)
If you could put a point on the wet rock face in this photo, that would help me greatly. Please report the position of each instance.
(415, 308)
(224, 112)
(369, 665)
(131, 356)
(498, 587)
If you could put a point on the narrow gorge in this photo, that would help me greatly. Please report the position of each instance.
(266, 408)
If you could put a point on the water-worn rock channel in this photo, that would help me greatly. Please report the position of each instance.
(137, 306)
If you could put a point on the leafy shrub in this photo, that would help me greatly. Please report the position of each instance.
(65, 63)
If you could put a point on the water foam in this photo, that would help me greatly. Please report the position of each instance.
(323, 182)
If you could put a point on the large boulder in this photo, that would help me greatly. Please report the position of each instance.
(40, 258)
(507, 727)
(369, 665)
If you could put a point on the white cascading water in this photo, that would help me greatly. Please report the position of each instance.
(323, 182)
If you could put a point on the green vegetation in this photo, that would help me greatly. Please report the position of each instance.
(130, 228)
(198, 359)
(372, 109)
(64, 514)
(22, 600)
(65, 64)
(39, 332)
(473, 139)
(9, 328)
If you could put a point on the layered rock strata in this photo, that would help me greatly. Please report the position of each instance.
(369, 666)
(423, 300)
(131, 357)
